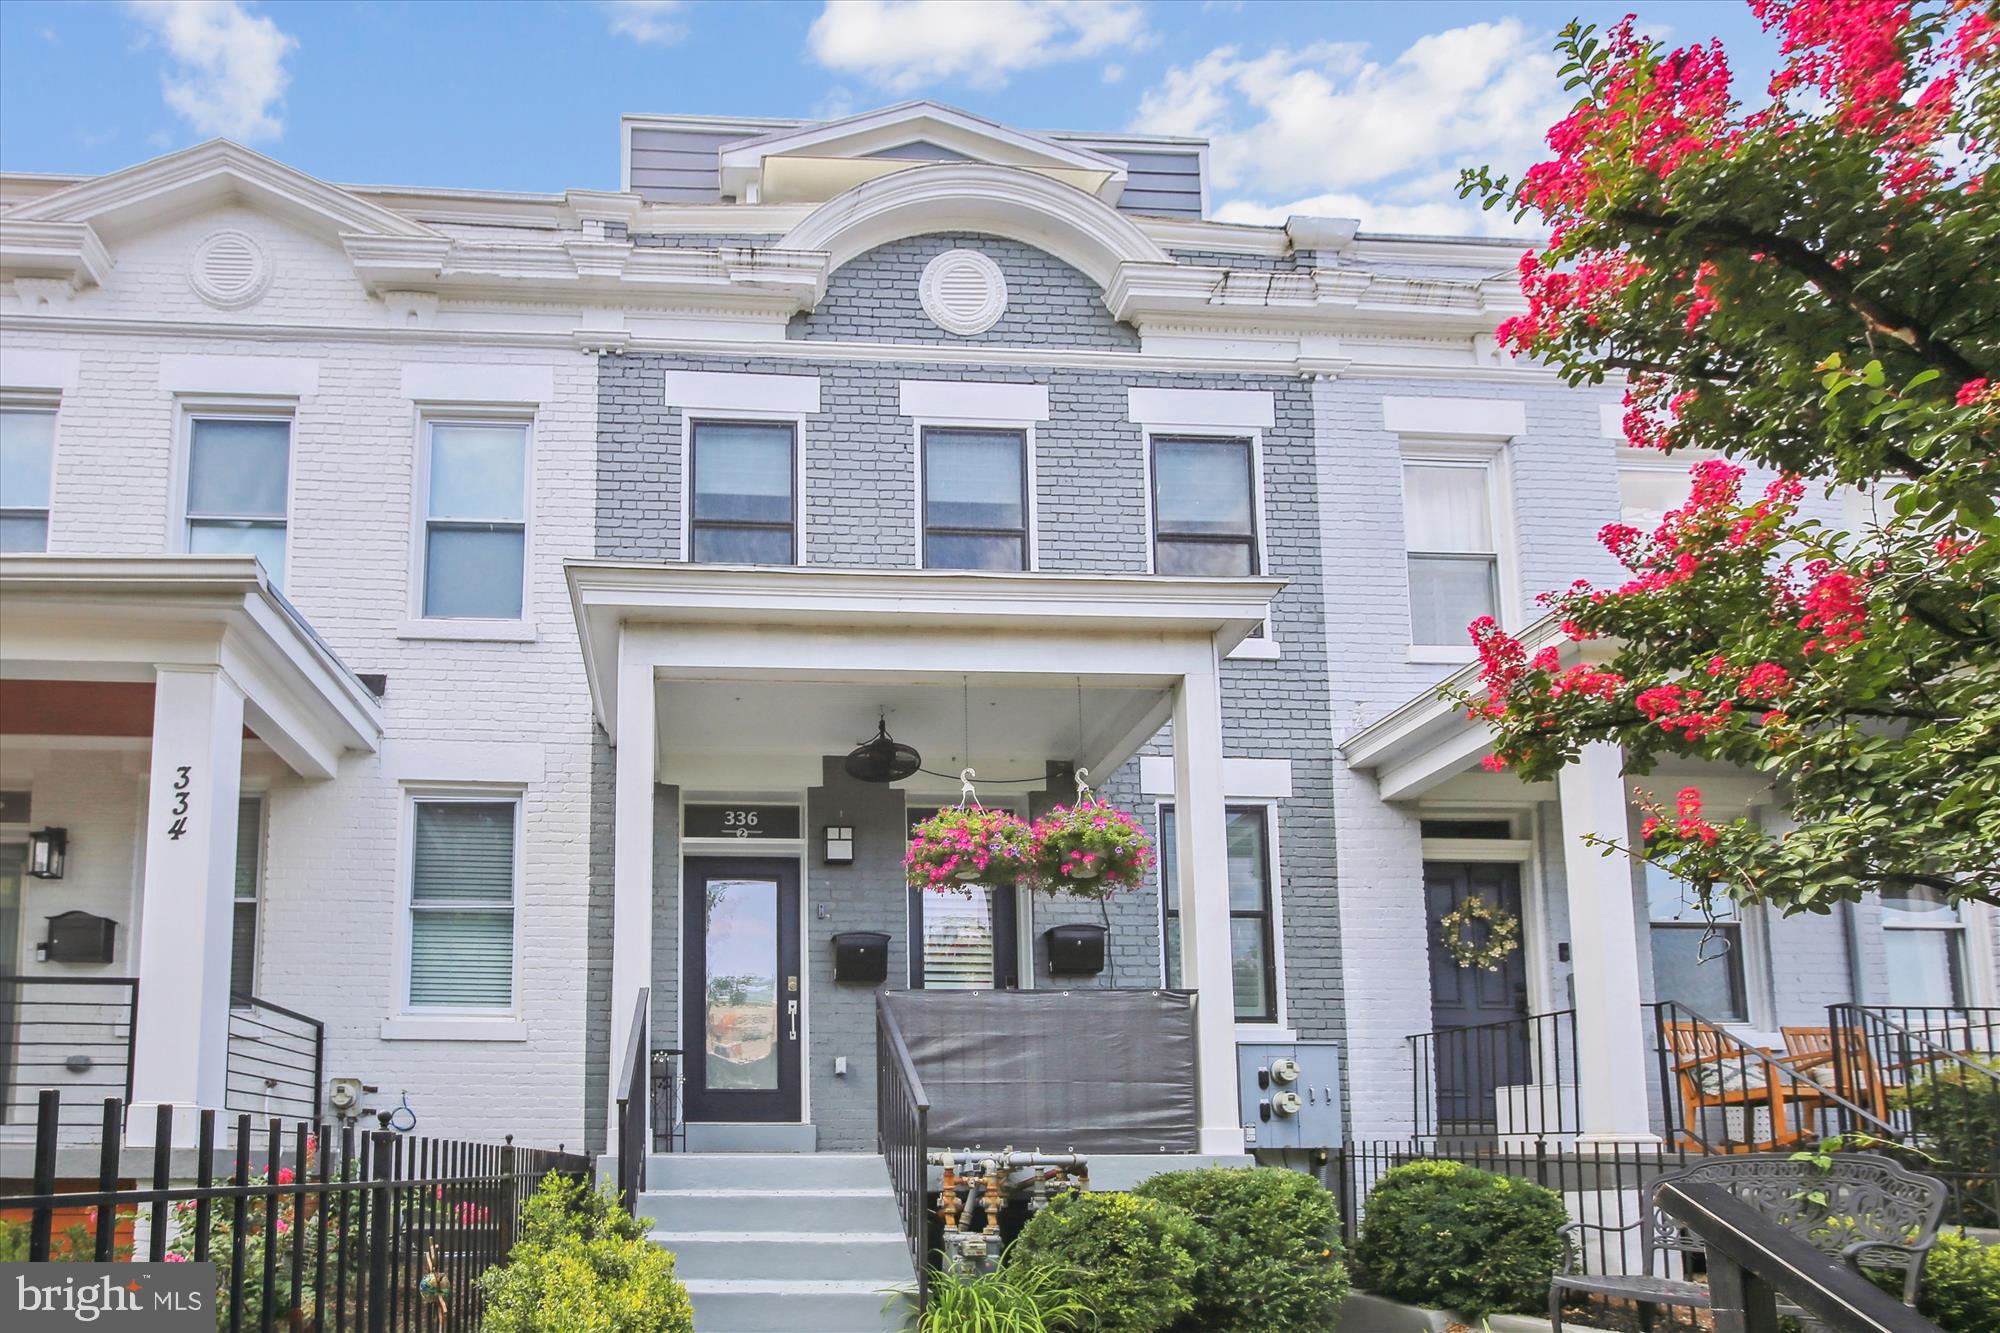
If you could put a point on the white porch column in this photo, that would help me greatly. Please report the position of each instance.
(181, 1049)
(1201, 856)
(1604, 952)
(631, 856)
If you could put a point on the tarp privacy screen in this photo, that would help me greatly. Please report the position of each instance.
(1090, 1070)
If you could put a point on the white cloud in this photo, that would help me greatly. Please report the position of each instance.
(653, 22)
(1326, 129)
(1114, 74)
(904, 45)
(227, 75)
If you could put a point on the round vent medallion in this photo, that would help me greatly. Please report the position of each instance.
(963, 292)
(229, 269)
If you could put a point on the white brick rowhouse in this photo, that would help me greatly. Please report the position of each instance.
(1200, 466)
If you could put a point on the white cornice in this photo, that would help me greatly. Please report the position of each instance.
(70, 251)
(1219, 237)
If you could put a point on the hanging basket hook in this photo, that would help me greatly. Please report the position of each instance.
(1083, 793)
(966, 793)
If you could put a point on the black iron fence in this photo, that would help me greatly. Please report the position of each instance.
(1515, 1077)
(669, 1128)
(902, 1125)
(73, 1034)
(309, 1227)
(276, 1059)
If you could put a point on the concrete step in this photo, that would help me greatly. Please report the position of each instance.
(802, 1171)
(862, 1210)
(713, 1136)
(876, 1256)
(781, 1306)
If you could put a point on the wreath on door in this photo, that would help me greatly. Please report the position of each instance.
(1501, 937)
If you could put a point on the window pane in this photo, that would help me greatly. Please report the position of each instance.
(463, 852)
(1913, 907)
(20, 533)
(238, 468)
(1645, 494)
(473, 573)
(249, 839)
(1173, 952)
(1247, 967)
(266, 541)
(462, 958)
(476, 471)
(1202, 487)
(973, 479)
(243, 951)
(1707, 979)
(1202, 558)
(958, 939)
(1670, 898)
(1446, 508)
(950, 551)
(743, 546)
(743, 472)
(1247, 890)
(1446, 595)
(1170, 889)
(1924, 967)
(740, 1023)
(27, 442)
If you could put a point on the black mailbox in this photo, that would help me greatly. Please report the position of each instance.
(1075, 950)
(79, 937)
(861, 956)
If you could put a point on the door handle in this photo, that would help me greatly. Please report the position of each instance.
(792, 1008)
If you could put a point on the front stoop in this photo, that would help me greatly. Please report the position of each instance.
(781, 1242)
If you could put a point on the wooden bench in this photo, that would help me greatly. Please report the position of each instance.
(1864, 1210)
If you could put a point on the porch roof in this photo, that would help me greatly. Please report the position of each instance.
(117, 618)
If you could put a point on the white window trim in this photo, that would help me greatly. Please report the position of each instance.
(796, 420)
(1507, 564)
(30, 400)
(1254, 1029)
(918, 425)
(1267, 648)
(1970, 949)
(494, 629)
(1024, 944)
(412, 795)
(208, 408)
(1523, 850)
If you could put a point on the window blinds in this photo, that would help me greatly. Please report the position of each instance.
(243, 929)
(958, 939)
(462, 904)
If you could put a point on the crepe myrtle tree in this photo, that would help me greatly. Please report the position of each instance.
(1807, 285)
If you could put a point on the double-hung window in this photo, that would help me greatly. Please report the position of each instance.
(1647, 490)
(249, 882)
(462, 891)
(1697, 957)
(744, 509)
(27, 452)
(975, 498)
(238, 483)
(1454, 560)
(1923, 937)
(1204, 506)
(1252, 925)
(475, 534)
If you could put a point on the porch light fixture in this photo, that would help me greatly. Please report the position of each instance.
(840, 844)
(46, 853)
(883, 758)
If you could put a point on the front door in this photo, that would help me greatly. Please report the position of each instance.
(1470, 1065)
(741, 1005)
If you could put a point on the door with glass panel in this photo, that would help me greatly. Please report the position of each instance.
(741, 1006)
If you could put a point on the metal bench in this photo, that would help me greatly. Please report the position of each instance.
(1865, 1210)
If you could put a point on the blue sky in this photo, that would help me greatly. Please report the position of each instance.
(1333, 108)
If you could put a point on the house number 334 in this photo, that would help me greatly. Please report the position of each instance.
(179, 813)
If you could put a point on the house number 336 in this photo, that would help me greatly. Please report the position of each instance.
(179, 813)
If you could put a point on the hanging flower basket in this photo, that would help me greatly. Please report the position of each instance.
(1090, 850)
(1502, 934)
(968, 845)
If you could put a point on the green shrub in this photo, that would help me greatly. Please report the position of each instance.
(583, 1265)
(1133, 1259)
(1274, 1248)
(1956, 1112)
(1445, 1235)
(1014, 1298)
(1960, 1291)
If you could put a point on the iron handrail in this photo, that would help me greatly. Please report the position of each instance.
(634, 1117)
(22, 1048)
(259, 1061)
(1924, 1041)
(902, 1123)
(1448, 1063)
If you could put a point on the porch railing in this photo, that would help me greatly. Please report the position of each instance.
(1516, 1077)
(669, 1127)
(73, 1034)
(634, 1127)
(277, 1057)
(902, 1129)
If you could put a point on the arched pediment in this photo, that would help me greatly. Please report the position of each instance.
(1075, 227)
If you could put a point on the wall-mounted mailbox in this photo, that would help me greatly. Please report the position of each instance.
(861, 956)
(1075, 950)
(78, 937)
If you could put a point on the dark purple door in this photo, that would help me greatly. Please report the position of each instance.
(1490, 1048)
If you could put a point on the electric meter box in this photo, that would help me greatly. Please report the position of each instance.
(1290, 1093)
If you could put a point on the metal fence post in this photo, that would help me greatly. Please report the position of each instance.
(383, 1143)
(510, 1200)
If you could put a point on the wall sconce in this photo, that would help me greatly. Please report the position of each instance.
(839, 844)
(46, 853)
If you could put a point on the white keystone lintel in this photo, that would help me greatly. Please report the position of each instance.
(1244, 409)
(33, 368)
(1242, 779)
(509, 763)
(967, 401)
(1468, 418)
(719, 391)
(275, 376)
(443, 382)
